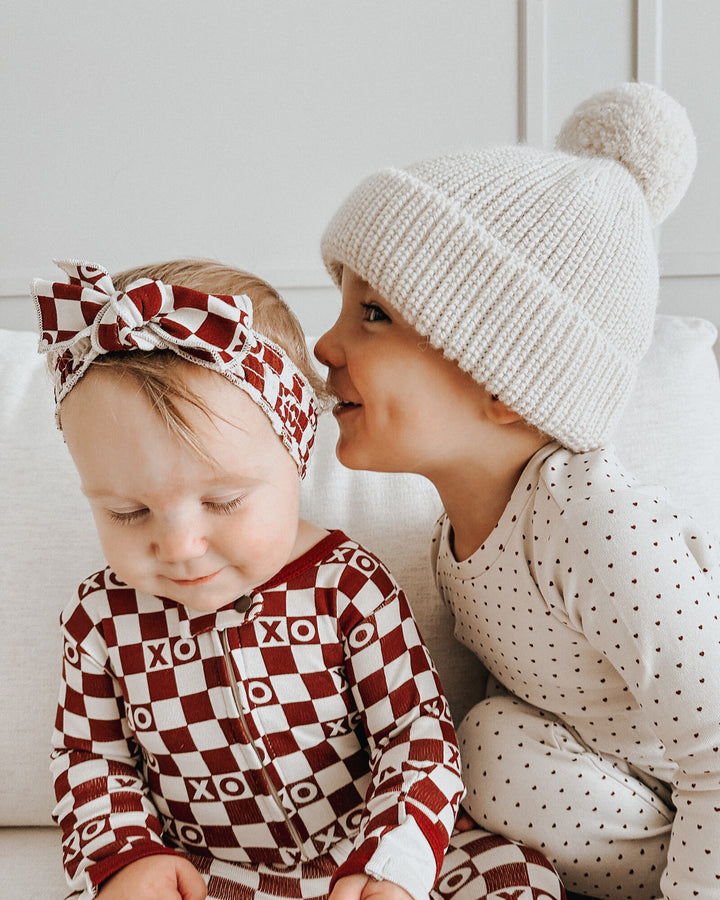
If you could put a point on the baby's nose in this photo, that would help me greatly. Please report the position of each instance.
(179, 541)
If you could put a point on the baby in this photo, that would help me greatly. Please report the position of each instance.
(247, 707)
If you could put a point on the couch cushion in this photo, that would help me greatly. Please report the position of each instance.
(31, 864)
(670, 433)
(48, 542)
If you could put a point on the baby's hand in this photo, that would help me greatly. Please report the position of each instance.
(159, 877)
(363, 887)
(464, 822)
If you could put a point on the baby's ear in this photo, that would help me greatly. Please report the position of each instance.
(499, 413)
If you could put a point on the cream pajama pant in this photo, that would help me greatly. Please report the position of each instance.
(530, 778)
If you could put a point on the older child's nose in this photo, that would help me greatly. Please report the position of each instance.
(328, 349)
(178, 542)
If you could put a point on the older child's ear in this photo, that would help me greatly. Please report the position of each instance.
(499, 413)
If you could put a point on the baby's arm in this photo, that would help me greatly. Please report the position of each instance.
(103, 806)
(155, 878)
(415, 787)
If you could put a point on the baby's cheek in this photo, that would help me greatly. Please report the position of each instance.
(123, 555)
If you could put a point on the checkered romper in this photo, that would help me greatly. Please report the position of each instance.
(277, 742)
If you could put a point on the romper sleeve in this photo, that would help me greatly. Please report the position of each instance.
(646, 594)
(416, 785)
(102, 803)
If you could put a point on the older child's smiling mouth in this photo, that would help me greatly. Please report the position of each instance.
(344, 406)
(341, 405)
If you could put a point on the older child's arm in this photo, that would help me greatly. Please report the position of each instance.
(107, 818)
(416, 785)
(649, 602)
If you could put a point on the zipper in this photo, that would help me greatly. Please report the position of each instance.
(229, 671)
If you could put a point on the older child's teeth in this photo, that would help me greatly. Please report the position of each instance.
(344, 404)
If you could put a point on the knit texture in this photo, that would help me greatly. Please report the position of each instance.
(534, 270)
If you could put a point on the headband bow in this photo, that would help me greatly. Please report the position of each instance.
(88, 317)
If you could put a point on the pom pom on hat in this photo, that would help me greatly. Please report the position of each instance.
(645, 130)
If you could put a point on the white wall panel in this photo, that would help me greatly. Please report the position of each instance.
(590, 47)
(233, 128)
(139, 131)
(690, 240)
(575, 47)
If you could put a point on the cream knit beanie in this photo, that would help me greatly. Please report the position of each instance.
(534, 270)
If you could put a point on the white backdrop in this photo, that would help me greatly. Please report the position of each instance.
(139, 131)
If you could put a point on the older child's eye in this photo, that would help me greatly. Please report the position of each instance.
(225, 506)
(125, 518)
(374, 313)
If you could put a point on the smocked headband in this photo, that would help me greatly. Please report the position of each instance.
(88, 317)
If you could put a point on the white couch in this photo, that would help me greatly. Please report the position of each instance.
(671, 434)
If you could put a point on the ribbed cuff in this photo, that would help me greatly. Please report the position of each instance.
(405, 858)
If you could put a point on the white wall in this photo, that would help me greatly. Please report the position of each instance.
(138, 131)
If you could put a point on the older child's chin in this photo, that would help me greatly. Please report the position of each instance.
(353, 455)
(346, 452)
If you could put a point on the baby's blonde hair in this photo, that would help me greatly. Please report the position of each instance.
(160, 373)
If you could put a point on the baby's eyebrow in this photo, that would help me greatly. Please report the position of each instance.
(219, 480)
(104, 495)
(89, 492)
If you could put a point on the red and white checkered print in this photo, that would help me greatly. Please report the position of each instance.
(274, 743)
(86, 318)
(478, 866)
(264, 736)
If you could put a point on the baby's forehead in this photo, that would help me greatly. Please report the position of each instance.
(124, 448)
(195, 405)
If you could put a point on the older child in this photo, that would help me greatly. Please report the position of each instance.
(495, 306)
(247, 708)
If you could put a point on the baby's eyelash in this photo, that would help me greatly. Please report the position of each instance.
(125, 518)
(227, 506)
(224, 507)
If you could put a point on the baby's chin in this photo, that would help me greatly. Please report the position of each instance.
(200, 601)
(198, 598)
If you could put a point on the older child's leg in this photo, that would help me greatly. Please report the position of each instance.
(483, 866)
(529, 777)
